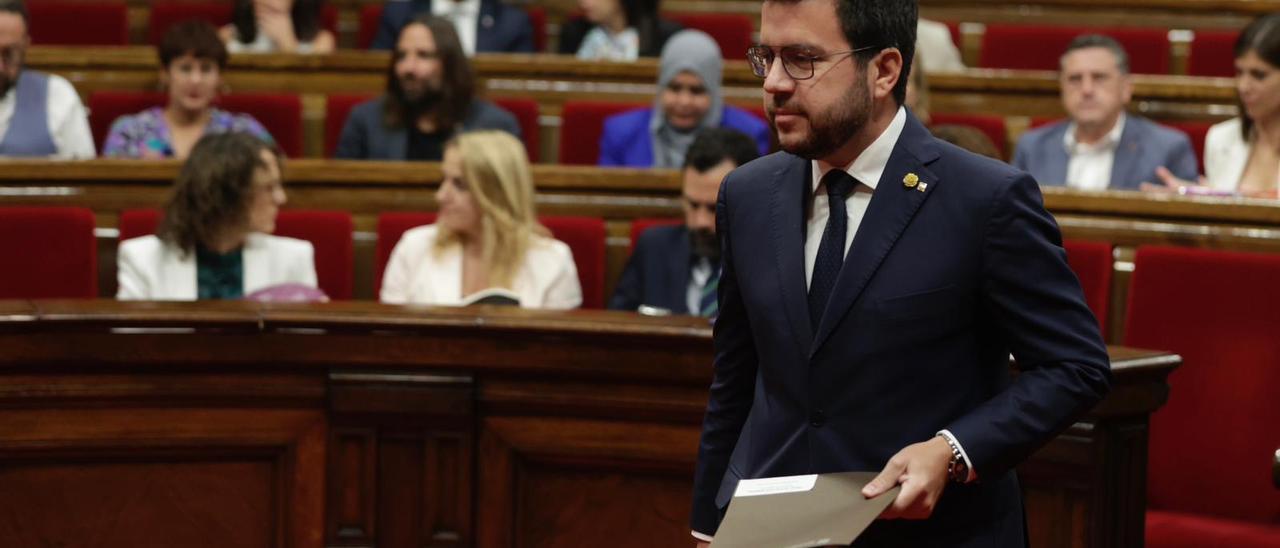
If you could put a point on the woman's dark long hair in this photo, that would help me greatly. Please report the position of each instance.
(457, 81)
(1262, 37)
(212, 189)
(305, 15)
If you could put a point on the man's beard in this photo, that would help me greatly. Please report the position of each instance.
(703, 243)
(420, 102)
(829, 130)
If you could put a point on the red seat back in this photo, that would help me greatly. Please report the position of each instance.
(526, 113)
(1213, 53)
(79, 23)
(1039, 47)
(49, 253)
(330, 234)
(370, 16)
(281, 114)
(135, 223)
(731, 31)
(582, 122)
(585, 237)
(390, 227)
(990, 125)
(166, 13)
(1196, 130)
(1212, 444)
(336, 109)
(1092, 263)
(638, 227)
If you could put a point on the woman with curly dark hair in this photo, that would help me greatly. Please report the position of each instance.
(277, 26)
(214, 241)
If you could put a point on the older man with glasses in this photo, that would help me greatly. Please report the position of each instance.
(40, 114)
(873, 283)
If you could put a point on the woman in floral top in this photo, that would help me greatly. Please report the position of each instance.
(192, 57)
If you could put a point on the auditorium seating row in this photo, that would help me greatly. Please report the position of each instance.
(1002, 45)
(1223, 408)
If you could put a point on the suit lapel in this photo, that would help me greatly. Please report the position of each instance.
(256, 263)
(1056, 174)
(486, 20)
(892, 207)
(1125, 161)
(787, 214)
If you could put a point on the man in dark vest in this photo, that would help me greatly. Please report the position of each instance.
(40, 114)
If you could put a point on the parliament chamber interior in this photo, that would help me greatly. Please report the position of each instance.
(348, 421)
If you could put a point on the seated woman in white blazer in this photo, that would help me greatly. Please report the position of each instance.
(486, 236)
(1242, 155)
(214, 241)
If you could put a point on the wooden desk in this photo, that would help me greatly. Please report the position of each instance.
(238, 424)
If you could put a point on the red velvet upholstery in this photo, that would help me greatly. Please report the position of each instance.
(136, 223)
(585, 237)
(1196, 131)
(49, 253)
(526, 113)
(990, 125)
(1036, 47)
(732, 32)
(1092, 263)
(281, 114)
(390, 227)
(1037, 121)
(166, 13)
(538, 20)
(370, 16)
(638, 227)
(957, 37)
(330, 234)
(1213, 53)
(1178, 530)
(1212, 444)
(582, 122)
(336, 109)
(78, 23)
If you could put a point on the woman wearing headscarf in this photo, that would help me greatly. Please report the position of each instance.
(689, 99)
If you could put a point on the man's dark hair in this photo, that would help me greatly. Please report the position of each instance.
(1262, 37)
(19, 7)
(196, 37)
(1086, 41)
(880, 24)
(715, 145)
(212, 189)
(305, 15)
(457, 80)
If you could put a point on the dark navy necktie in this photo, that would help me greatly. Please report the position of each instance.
(826, 268)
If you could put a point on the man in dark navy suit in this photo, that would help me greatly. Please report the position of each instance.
(874, 282)
(483, 25)
(676, 268)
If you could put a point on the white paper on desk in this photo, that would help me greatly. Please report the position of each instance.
(782, 513)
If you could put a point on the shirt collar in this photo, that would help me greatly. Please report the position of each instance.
(868, 166)
(450, 7)
(1109, 141)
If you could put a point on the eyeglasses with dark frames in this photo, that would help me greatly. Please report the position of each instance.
(796, 62)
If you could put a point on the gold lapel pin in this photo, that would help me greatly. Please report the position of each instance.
(911, 180)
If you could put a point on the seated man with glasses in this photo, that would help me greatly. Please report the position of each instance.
(40, 114)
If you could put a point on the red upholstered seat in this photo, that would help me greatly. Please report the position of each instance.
(538, 20)
(281, 114)
(1092, 263)
(526, 113)
(330, 234)
(1037, 121)
(990, 125)
(638, 226)
(79, 23)
(49, 253)
(370, 16)
(1213, 53)
(166, 13)
(390, 227)
(1211, 445)
(732, 32)
(585, 237)
(1039, 47)
(582, 122)
(1196, 131)
(336, 109)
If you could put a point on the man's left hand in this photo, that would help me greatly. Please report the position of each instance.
(921, 468)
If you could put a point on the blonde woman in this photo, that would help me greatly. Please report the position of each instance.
(486, 236)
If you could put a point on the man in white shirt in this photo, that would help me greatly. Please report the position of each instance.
(483, 25)
(1099, 147)
(40, 114)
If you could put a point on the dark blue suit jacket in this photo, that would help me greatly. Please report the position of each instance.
(938, 288)
(626, 141)
(502, 28)
(1144, 146)
(657, 274)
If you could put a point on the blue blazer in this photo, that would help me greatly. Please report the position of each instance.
(1144, 146)
(365, 137)
(940, 285)
(501, 28)
(657, 274)
(626, 141)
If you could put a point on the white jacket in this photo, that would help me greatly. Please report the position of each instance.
(149, 269)
(1225, 155)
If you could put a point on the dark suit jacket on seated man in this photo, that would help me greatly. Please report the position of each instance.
(875, 335)
(494, 26)
(677, 268)
(1099, 147)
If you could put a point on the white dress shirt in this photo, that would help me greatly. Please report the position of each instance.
(699, 275)
(1089, 167)
(68, 120)
(465, 16)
